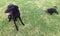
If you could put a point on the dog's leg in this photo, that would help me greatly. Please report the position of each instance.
(50, 13)
(9, 19)
(16, 25)
(21, 21)
(56, 12)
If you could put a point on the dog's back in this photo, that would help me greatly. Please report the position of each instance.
(51, 10)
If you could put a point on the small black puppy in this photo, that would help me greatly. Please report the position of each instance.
(13, 13)
(52, 10)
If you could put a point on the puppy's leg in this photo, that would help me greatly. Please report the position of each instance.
(16, 25)
(21, 21)
(56, 12)
(50, 13)
(9, 19)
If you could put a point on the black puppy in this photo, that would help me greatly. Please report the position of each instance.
(52, 10)
(13, 13)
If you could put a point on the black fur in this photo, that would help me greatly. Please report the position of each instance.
(52, 10)
(13, 9)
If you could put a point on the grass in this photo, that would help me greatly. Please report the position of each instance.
(37, 22)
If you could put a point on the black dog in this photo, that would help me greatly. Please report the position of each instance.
(13, 13)
(52, 10)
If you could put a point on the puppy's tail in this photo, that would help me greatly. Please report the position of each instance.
(44, 10)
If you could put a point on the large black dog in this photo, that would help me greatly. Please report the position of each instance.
(13, 13)
(52, 10)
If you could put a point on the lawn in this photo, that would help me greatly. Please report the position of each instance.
(37, 21)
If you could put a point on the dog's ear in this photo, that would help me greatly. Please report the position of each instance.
(16, 7)
(55, 7)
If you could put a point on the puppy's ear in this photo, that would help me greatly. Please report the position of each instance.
(16, 7)
(55, 7)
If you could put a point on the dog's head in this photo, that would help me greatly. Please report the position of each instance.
(10, 9)
(55, 7)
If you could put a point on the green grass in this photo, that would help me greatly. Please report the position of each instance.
(37, 22)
